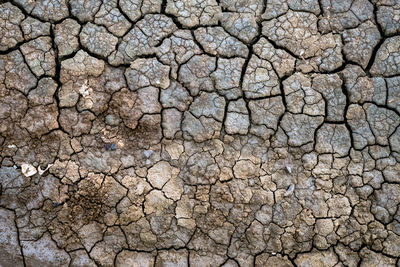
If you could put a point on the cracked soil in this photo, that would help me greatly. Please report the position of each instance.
(200, 133)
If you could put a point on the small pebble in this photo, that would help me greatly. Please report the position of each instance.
(289, 168)
(147, 153)
(111, 147)
(28, 170)
(290, 190)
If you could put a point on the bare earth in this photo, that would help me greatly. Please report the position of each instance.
(200, 133)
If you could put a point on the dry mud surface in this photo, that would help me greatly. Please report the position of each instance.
(200, 133)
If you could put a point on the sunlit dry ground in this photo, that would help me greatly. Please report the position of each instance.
(200, 132)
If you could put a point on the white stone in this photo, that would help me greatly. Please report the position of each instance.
(28, 170)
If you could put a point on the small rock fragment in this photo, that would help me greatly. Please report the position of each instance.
(28, 170)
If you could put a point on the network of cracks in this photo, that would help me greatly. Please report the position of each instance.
(200, 133)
